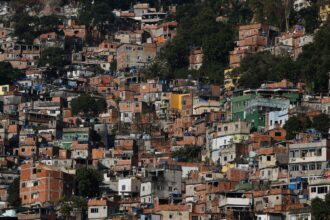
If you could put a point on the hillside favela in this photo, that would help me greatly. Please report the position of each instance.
(165, 109)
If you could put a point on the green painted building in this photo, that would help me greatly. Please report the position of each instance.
(238, 106)
(82, 135)
(253, 106)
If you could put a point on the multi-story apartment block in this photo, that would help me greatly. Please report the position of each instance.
(41, 185)
(223, 138)
(133, 55)
(308, 159)
(163, 183)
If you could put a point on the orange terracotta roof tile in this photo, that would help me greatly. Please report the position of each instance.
(97, 202)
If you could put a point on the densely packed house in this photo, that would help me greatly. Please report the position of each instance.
(104, 141)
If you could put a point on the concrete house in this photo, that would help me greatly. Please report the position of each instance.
(162, 182)
(133, 55)
(308, 158)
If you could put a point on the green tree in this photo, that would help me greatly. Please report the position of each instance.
(98, 15)
(321, 208)
(322, 123)
(8, 74)
(175, 55)
(54, 58)
(48, 23)
(113, 65)
(20, 5)
(68, 204)
(308, 17)
(88, 182)
(296, 124)
(27, 27)
(13, 194)
(88, 105)
(262, 67)
(198, 28)
(188, 153)
(271, 12)
(158, 68)
(311, 67)
(314, 62)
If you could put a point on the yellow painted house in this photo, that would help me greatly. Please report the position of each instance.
(227, 167)
(325, 11)
(4, 89)
(229, 80)
(176, 101)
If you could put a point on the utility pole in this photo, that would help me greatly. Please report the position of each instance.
(329, 84)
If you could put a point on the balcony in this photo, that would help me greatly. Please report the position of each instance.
(235, 202)
(267, 103)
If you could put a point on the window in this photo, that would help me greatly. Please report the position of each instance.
(312, 166)
(225, 158)
(143, 188)
(123, 187)
(269, 158)
(322, 189)
(170, 216)
(318, 166)
(313, 189)
(170, 188)
(291, 154)
(23, 185)
(35, 195)
(269, 172)
(34, 171)
(94, 210)
(278, 134)
(294, 168)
